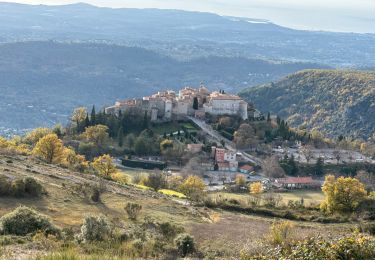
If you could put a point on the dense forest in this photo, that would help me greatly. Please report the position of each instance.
(335, 102)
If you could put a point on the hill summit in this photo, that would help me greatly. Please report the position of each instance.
(335, 102)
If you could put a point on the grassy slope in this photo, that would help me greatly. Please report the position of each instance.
(221, 231)
(333, 101)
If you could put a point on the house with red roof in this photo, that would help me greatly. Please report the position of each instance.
(297, 182)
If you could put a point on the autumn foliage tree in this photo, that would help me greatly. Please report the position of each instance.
(343, 194)
(193, 187)
(49, 148)
(256, 188)
(97, 134)
(36, 134)
(104, 165)
(240, 180)
(74, 161)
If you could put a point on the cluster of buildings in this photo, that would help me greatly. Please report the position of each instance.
(168, 105)
(228, 161)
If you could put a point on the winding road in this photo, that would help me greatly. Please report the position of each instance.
(219, 138)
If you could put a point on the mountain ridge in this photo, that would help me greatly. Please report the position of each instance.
(42, 80)
(184, 34)
(335, 102)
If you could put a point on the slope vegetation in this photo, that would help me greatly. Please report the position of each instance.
(332, 101)
(217, 232)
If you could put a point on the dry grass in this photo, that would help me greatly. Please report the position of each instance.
(67, 207)
(231, 232)
(309, 196)
(222, 233)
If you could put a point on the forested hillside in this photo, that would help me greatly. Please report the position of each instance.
(335, 102)
(41, 82)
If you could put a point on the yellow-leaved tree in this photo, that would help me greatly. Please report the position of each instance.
(193, 187)
(50, 148)
(342, 194)
(256, 188)
(240, 180)
(36, 134)
(74, 161)
(97, 134)
(104, 165)
(13, 146)
(79, 115)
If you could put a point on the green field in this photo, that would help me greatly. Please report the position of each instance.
(165, 128)
(169, 127)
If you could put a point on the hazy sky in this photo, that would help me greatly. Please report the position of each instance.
(333, 15)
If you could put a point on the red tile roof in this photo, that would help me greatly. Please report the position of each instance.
(296, 180)
(247, 167)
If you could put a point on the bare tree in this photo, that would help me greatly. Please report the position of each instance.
(193, 167)
(337, 155)
(366, 178)
(271, 168)
(245, 136)
(307, 152)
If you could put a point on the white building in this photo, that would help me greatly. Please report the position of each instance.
(225, 104)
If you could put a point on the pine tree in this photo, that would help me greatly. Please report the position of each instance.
(319, 167)
(293, 166)
(145, 121)
(120, 136)
(93, 116)
(87, 121)
(269, 117)
(195, 103)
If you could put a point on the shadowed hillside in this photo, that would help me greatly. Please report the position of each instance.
(41, 82)
(335, 102)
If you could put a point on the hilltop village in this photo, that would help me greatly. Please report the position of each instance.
(168, 105)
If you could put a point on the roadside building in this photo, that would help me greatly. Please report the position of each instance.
(246, 169)
(194, 148)
(297, 182)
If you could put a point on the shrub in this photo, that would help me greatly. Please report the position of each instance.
(169, 231)
(95, 229)
(185, 244)
(18, 188)
(156, 181)
(23, 221)
(95, 194)
(32, 187)
(354, 246)
(133, 209)
(280, 232)
(5, 186)
(367, 228)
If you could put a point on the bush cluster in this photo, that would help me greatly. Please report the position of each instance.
(23, 221)
(95, 229)
(185, 244)
(354, 246)
(26, 187)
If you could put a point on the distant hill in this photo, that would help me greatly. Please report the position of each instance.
(333, 101)
(41, 82)
(183, 34)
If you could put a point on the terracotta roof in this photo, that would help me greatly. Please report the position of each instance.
(246, 167)
(295, 180)
(225, 97)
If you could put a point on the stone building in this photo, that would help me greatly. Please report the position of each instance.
(167, 105)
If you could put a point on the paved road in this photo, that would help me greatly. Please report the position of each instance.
(228, 144)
